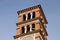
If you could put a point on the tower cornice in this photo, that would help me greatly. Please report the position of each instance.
(31, 8)
(27, 9)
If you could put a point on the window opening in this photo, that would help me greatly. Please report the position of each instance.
(23, 29)
(24, 17)
(33, 27)
(28, 28)
(29, 15)
(33, 15)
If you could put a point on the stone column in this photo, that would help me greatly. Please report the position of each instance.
(26, 17)
(25, 29)
(31, 15)
(30, 28)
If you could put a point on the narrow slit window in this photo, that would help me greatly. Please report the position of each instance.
(29, 15)
(23, 29)
(28, 28)
(24, 17)
(33, 15)
(33, 27)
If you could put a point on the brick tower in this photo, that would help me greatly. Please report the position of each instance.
(31, 24)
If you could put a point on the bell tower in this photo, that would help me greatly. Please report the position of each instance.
(31, 24)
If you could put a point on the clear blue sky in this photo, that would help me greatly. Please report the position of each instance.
(8, 17)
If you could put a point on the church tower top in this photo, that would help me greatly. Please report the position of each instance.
(31, 24)
(32, 8)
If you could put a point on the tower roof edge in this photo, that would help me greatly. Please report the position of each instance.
(27, 9)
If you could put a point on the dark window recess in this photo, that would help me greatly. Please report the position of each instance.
(28, 28)
(41, 21)
(33, 15)
(33, 27)
(23, 29)
(29, 15)
(24, 17)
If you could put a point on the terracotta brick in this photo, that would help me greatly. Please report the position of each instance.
(39, 24)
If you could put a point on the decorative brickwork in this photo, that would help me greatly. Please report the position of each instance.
(31, 24)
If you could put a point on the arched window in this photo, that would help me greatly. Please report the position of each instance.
(33, 15)
(24, 17)
(28, 28)
(33, 27)
(23, 29)
(29, 16)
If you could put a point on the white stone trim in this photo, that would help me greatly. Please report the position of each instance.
(41, 37)
(41, 17)
(31, 15)
(34, 37)
(30, 28)
(25, 29)
(26, 17)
